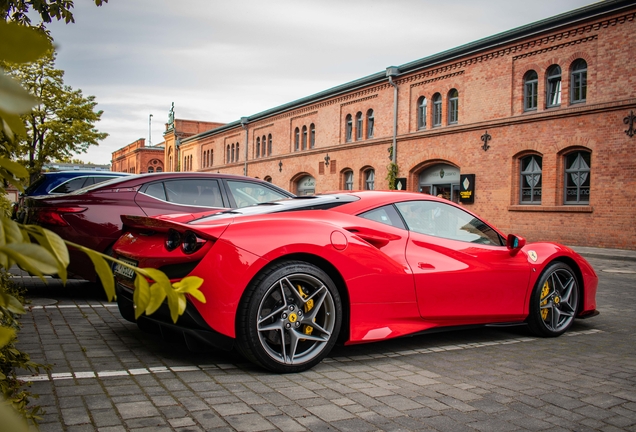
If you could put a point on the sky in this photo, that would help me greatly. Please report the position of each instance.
(219, 60)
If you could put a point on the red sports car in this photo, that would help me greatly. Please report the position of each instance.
(284, 280)
(91, 216)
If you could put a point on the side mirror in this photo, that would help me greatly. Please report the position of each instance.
(515, 243)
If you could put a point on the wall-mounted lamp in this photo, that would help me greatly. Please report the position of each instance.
(280, 166)
(485, 138)
(629, 120)
(327, 159)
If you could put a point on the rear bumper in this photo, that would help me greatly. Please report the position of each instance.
(190, 328)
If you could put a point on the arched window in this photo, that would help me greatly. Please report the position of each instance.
(304, 137)
(348, 128)
(232, 153)
(421, 112)
(530, 82)
(159, 169)
(437, 110)
(578, 84)
(453, 106)
(297, 139)
(264, 146)
(268, 179)
(312, 135)
(577, 177)
(151, 169)
(211, 157)
(258, 147)
(358, 126)
(227, 154)
(348, 180)
(553, 86)
(531, 179)
(269, 145)
(237, 153)
(369, 179)
(370, 124)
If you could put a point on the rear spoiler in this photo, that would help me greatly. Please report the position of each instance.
(146, 223)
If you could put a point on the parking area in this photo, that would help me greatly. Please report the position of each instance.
(109, 376)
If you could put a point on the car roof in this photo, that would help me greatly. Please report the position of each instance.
(47, 181)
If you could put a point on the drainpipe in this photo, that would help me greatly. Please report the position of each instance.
(391, 72)
(244, 122)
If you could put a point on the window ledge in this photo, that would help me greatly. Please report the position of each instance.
(560, 208)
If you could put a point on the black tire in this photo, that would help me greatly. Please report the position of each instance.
(289, 317)
(555, 301)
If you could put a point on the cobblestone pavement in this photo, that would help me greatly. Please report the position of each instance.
(107, 375)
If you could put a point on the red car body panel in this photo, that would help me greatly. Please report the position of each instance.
(394, 282)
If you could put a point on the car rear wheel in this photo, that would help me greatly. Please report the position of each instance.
(289, 318)
(554, 301)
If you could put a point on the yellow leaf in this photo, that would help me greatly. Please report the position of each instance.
(182, 303)
(11, 420)
(188, 284)
(157, 295)
(33, 258)
(11, 303)
(22, 44)
(141, 296)
(104, 273)
(56, 246)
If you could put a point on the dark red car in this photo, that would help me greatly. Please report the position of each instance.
(91, 216)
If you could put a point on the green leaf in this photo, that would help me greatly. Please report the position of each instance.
(141, 296)
(13, 98)
(6, 335)
(157, 295)
(11, 303)
(22, 44)
(33, 258)
(15, 168)
(104, 273)
(12, 125)
(11, 420)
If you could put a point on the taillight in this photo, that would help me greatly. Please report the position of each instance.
(189, 241)
(54, 215)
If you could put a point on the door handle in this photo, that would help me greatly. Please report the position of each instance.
(424, 266)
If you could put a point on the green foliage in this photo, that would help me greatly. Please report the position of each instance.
(391, 174)
(61, 123)
(48, 10)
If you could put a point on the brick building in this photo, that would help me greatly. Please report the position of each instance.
(136, 158)
(542, 116)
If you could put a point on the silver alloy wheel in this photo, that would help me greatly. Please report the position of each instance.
(559, 300)
(296, 318)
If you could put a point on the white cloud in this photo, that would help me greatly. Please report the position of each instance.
(220, 60)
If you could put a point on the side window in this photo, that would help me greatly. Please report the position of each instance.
(553, 87)
(184, 192)
(530, 83)
(69, 186)
(386, 215)
(248, 193)
(577, 177)
(156, 190)
(531, 179)
(443, 220)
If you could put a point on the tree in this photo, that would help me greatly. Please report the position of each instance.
(62, 122)
(17, 10)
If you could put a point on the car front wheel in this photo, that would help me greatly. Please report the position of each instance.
(554, 301)
(289, 318)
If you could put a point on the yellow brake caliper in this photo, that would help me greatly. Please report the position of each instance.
(308, 306)
(544, 295)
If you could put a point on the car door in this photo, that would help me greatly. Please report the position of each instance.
(180, 196)
(464, 274)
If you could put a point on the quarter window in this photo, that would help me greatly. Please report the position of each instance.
(577, 177)
(553, 87)
(579, 81)
(437, 110)
(421, 113)
(453, 106)
(531, 179)
(530, 82)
